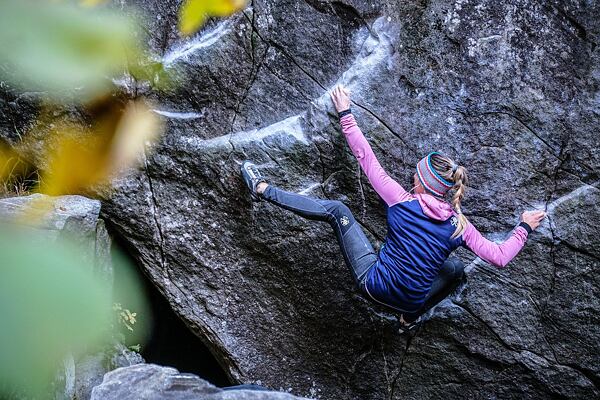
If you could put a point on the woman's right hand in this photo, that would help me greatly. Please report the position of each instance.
(533, 218)
(341, 98)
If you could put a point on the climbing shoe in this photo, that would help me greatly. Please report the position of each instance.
(252, 178)
(407, 327)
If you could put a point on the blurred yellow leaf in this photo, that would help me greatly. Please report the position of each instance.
(11, 163)
(81, 158)
(17, 174)
(193, 13)
(91, 3)
(138, 126)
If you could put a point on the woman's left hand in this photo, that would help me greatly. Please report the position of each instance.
(341, 98)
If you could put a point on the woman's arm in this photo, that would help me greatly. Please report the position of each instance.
(388, 189)
(501, 254)
(496, 254)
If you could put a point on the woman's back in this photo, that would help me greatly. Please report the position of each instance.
(419, 240)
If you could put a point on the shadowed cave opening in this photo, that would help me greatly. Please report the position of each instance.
(169, 341)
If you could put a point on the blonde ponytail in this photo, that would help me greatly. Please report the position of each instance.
(457, 174)
(460, 186)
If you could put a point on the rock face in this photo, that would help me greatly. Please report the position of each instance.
(153, 382)
(511, 89)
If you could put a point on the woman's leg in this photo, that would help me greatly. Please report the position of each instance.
(445, 283)
(356, 248)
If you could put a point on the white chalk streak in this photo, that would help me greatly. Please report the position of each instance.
(178, 115)
(201, 42)
(579, 192)
(309, 189)
(290, 126)
(375, 51)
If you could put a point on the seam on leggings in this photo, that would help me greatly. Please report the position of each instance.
(362, 239)
(363, 242)
(342, 246)
(287, 206)
(361, 279)
(387, 305)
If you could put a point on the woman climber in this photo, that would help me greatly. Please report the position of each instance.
(412, 271)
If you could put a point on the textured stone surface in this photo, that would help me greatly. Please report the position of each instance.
(153, 382)
(89, 370)
(511, 89)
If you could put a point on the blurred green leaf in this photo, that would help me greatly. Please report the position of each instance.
(54, 304)
(50, 305)
(58, 47)
(147, 69)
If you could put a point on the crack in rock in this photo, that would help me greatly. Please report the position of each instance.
(588, 375)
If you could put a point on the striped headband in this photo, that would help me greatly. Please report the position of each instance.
(430, 179)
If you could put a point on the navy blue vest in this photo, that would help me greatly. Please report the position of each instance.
(415, 249)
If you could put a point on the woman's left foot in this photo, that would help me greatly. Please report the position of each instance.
(252, 178)
(405, 327)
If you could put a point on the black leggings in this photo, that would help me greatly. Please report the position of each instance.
(356, 248)
(445, 283)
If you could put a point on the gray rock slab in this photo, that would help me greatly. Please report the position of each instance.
(153, 382)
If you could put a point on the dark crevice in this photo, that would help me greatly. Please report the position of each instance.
(401, 367)
(154, 214)
(370, 230)
(283, 51)
(163, 263)
(253, 75)
(554, 239)
(322, 162)
(360, 220)
(169, 341)
(486, 325)
(492, 272)
(341, 10)
(580, 250)
(266, 151)
(557, 153)
(580, 30)
(362, 192)
(554, 152)
(590, 375)
(295, 85)
(293, 60)
(256, 66)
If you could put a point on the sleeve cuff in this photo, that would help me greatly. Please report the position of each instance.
(344, 113)
(527, 227)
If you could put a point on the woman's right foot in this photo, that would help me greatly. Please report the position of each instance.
(252, 178)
